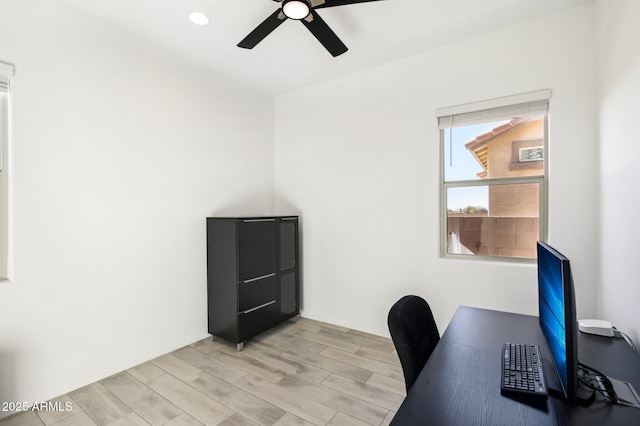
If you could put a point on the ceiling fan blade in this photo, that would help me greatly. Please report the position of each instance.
(263, 30)
(332, 3)
(325, 35)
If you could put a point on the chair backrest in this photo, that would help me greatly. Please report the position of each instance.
(414, 334)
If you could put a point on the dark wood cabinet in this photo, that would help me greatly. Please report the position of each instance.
(253, 275)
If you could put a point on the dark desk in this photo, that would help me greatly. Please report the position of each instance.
(460, 385)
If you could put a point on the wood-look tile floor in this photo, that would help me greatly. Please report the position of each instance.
(302, 373)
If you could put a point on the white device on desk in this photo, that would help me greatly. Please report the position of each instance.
(595, 326)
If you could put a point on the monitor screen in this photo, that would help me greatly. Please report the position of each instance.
(556, 304)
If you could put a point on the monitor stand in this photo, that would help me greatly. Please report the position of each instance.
(584, 395)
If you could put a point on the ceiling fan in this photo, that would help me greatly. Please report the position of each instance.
(303, 11)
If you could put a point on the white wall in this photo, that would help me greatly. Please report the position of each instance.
(619, 83)
(120, 150)
(358, 156)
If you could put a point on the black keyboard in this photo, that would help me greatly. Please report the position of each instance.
(522, 370)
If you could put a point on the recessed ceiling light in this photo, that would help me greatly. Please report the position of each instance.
(199, 18)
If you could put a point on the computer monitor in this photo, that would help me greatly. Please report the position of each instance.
(557, 307)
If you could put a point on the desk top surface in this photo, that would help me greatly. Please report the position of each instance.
(460, 385)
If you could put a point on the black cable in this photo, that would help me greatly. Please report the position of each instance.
(608, 392)
(627, 339)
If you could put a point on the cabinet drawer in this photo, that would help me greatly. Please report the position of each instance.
(257, 321)
(257, 292)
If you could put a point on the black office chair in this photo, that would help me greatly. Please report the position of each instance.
(414, 334)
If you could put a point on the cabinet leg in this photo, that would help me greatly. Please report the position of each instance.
(239, 346)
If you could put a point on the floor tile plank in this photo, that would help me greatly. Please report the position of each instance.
(28, 418)
(100, 404)
(290, 401)
(387, 420)
(210, 364)
(288, 365)
(329, 364)
(307, 322)
(177, 367)
(362, 340)
(63, 406)
(390, 370)
(245, 403)
(388, 400)
(389, 358)
(132, 419)
(325, 340)
(146, 372)
(150, 405)
(208, 345)
(78, 419)
(198, 405)
(387, 383)
(370, 336)
(237, 420)
(291, 420)
(339, 401)
(184, 419)
(341, 419)
(250, 365)
(287, 342)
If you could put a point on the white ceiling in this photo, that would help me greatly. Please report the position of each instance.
(290, 57)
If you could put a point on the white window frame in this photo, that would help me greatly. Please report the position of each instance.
(487, 111)
(6, 72)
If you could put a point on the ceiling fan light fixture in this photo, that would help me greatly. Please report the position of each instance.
(296, 9)
(199, 18)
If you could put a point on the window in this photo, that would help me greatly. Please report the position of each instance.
(493, 185)
(6, 71)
